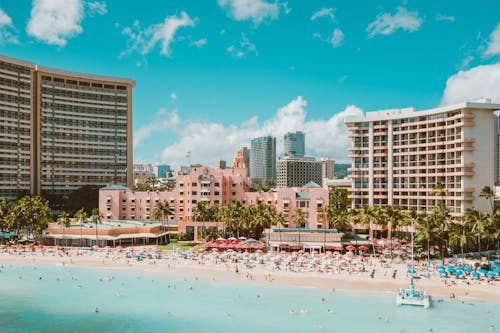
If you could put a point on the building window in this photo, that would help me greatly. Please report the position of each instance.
(194, 184)
(216, 184)
(193, 192)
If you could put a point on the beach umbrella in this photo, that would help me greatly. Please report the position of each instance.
(362, 248)
(411, 271)
(492, 274)
(476, 274)
(350, 248)
(458, 273)
(496, 270)
(13, 247)
(338, 248)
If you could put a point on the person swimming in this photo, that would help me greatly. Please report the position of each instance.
(292, 311)
(96, 310)
(329, 311)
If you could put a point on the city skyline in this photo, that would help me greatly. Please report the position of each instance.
(211, 77)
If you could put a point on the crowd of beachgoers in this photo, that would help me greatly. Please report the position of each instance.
(330, 263)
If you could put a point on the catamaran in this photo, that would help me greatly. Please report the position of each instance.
(412, 296)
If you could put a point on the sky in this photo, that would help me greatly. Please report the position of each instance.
(213, 74)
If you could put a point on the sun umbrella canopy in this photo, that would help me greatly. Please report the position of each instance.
(350, 248)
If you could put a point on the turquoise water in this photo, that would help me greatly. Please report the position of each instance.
(65, 298)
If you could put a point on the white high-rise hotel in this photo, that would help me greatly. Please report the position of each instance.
(62, 130)
(399, 156)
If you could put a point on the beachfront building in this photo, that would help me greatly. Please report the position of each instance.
(295, 171)
(400, 156)
(263, 159)
(62, 130)
(17, 122)
(214, 186)
(110, 233)
(294, 144)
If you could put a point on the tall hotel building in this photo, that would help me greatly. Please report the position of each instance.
(263, 159)
(294, 144)
(399, 156)
(62, 130)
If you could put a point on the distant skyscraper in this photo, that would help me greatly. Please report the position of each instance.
(327, 168)
(163, 171)
(295, 171)
(263, 159)
(294, 144)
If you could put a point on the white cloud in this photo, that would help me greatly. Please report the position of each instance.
(96, 8)
(5, 19)
(162, 120)
(477, 82)
(144, 40)
(335, 39)
(7, 30)
(173, 95)
(494, 44)
(441, 17)
(323, 12)
(387, 24)
(210, 141)
(243, 48)
(199, 43)
(55, 21)
(254, 10)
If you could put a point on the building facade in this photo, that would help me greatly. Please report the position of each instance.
(163, 171)
(327, 168)
(76, 127)
(143, 172)
(294, 171)
(400, 156)
(263, 159)
(294, 144)
(17, 127)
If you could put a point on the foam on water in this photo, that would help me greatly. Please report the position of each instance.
(65, 298)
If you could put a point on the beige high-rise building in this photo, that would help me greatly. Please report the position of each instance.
(327, 168)
(400, 156)
(297, 171)
(62, 130)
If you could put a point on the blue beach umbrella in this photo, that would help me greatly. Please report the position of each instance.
(441, 267)
(451, 269)
(458, 273)
(411, 271)
(496, 270)
(492, 274)
(476, 274)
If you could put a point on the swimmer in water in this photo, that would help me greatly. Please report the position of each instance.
(292, 311)
(329, 311)
(96, 310)
(118, 294)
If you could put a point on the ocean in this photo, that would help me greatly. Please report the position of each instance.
(64, 299)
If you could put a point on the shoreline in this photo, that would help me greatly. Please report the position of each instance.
(225, 273)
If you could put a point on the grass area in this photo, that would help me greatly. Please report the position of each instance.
(182, 245)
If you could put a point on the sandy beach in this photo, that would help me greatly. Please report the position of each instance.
(228, 272)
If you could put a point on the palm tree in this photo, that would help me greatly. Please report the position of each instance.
(64, 222)
(461, 235)
(4, 213)
(95, 218)
(367, 215)
(161, 212)
(441, 215)
(427, 228)
(32, 213)
(81, 217)
(489, 194)
(299, 219)
(477, 221)
(394, 216)
(279, 220)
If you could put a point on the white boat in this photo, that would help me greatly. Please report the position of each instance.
(412, 296)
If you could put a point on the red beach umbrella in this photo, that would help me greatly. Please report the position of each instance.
(362, 248)
(350, 248)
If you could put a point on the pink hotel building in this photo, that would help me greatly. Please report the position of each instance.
(214, 186)
(398, 156)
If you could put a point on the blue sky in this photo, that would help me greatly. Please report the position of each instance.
(212, 74)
